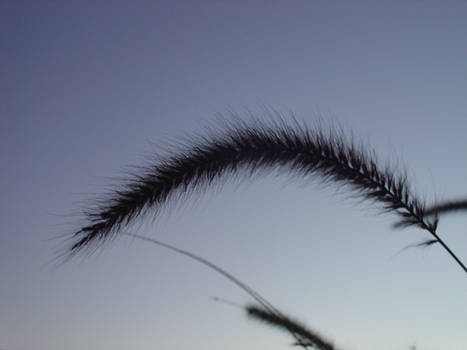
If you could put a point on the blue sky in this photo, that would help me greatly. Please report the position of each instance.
(90, 88)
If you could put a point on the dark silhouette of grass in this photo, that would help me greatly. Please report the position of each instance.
(265, 312)
(255, 295)
(250, 147)
(447, 207)
(304, 336)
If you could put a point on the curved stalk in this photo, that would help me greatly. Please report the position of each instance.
(254, 147)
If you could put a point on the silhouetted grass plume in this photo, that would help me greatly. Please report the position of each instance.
(266, 311)
(250, 147)
(447, 207)
(304, 336)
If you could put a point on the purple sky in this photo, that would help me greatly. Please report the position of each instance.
(91, 87)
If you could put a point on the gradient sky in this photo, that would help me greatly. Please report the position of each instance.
(89, 88)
